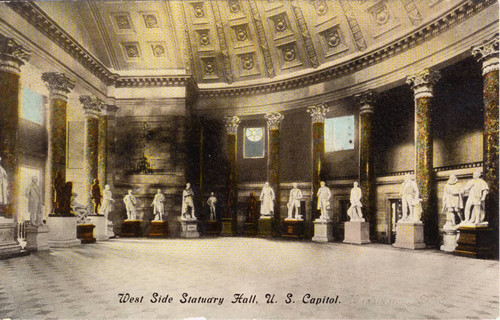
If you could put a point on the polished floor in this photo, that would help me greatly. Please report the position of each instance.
(371, 281)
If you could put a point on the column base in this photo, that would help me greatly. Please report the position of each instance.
(475, 242)
(265, 227)
(37, 238)
(131, 228)
(62, 232)
(409, 235)
(449, 238)
(101, 227)
(159, 229)
(212, 228)
(323, 231)
(85, 232)
(189, 229)
(227, 227)
(357, 232)
(9, 247)
(292, 228)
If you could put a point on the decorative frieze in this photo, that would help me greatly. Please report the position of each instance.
(423, 82)
(58, 84)
(318, 113)
(487, 53)
(92, 106)
(274, 120)
(232, 124)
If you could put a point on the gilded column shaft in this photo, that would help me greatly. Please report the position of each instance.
(232, 124)
(102, 158)
(273, 160)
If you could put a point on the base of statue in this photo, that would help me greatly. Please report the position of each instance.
(227, 227)
(357, 232)
(9, 247)
(265, 227)
(37, 238)
(409, 235)
(62, 232)
(131, 228)
(101, 227)
(212, 228)
(111, 229)
(450, 237)
(292, 228)
(251, 229)
(189, 229)
(85, 232)
(159, 229)
(475, 242)
(323, 230)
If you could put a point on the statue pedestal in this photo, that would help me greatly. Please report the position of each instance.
(475, 241)
(410, 235)
(212, 228)
(159, 229)
(323, 230)
(357, 232)
(251, 229)
(265, 227)
(131, 228)
(189, 229)
(111, 231)
(62, 232)
(227, 227)
(9, 247)
(85, 232)
(101, 227)
(292, 228)
(37, 238)
(449, 238)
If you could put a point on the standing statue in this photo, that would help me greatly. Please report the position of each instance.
(34, 195)
(130, 202)
(354, 211)
(475, 205)
(324, 194)
(410, 199)
(452, 200)
(188, 203)
(61, 199)
(4, 182)
(211, 201)
(158, 206)
(107, 201)
(267, 201)
(65, 200)
(95, 195)
(251, 205)
(294, 203)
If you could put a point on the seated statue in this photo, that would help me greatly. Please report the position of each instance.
(82, 212)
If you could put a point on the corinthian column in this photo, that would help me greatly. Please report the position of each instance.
(59, 86)
(232, 124)
(273, 161)
(108, 112)
(422, 84)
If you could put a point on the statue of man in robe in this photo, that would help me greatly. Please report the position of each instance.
(267, 201)
(409, 198)
(475, 205)
(96, 196)
(130, 202)
(158, 206)
(354, 210)
(188, 203)
(211, 202)
(324, 194)
(34, 195)
(294, 203)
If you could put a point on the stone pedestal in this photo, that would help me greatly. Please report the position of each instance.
(292, 228)
(475, 242)
(189, 229)
(450, 236)
(85, 232)
(37, 238)
(265, 227)
(9, 247)
(111, 227)
(323, 231)
(101, 227)
(409, 235)
(159, 229)
(62, 232)
(227, 227)
(251, 229)
(131, 228)
(212, 228)
(357, 232)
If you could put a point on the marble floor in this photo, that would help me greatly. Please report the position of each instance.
(192, 276)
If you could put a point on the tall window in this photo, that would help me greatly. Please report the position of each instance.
(32, 106)
(339, 134)
(253, 146)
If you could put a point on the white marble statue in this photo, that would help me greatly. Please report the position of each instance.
(267, 201)
(475, 206)
(294, 203)
(354, 211)
(107, 201)
(324, 194)
(211, 201)
(82, 212)
(410, 200)
(452, 200)
(4, 182)
(158, 206)
(34, 195)
(130, 202)
(188, 203)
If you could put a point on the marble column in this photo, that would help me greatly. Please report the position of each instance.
(318, 115)
(108, 111)
(12, 55)
(273, 161)
(92, 107)
(422, 84)
(232, 124)
(365, 102)
(59, 86)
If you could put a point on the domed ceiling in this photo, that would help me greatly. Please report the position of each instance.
(235, 41)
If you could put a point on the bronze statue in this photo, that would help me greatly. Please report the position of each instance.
(251, 205)
(96, 196)
(58, 189)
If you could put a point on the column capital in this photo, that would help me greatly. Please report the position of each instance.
(59, 84)
(232, 124)
(274, 120)
(92, 106)
(423, 82)
(109, 110)
(12, 55)
(487, 53)
(318, 113)
(365, 101)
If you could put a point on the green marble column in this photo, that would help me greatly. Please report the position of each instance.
(103, 153)
(92, 107)
(59, 86)
(232, 124)
(422, 84)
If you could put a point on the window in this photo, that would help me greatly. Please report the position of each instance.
(253, 145)
(32, 106)
(339, 134)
